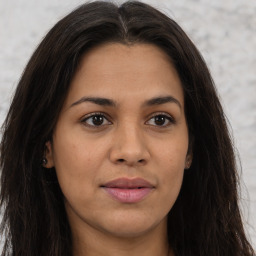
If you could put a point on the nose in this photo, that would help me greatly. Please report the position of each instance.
(129, 147)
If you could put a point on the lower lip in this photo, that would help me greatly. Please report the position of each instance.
(128, 195)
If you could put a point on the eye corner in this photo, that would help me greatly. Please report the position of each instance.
(165, 120)
(95, 120)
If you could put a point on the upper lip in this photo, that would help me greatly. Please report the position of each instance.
(128, 183)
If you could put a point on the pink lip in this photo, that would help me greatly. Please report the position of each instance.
(128, 190)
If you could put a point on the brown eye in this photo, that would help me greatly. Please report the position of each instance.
(161, 120)
(95, 120)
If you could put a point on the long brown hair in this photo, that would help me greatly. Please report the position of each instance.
(205, 219)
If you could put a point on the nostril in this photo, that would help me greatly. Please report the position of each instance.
(122, 160)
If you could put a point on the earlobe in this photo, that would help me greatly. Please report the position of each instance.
(189, 156)
(188, 162)
(47, 160)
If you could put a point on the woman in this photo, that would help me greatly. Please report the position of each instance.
(120, 143)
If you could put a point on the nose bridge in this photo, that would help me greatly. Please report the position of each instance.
(130, 136)
(129, 144)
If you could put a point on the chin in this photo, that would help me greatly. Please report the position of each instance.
(134, 226)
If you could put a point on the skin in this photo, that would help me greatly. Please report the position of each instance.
(130, 143)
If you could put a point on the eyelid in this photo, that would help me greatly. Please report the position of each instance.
(168, 116)
(87, 116)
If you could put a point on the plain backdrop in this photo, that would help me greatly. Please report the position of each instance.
(224, 32)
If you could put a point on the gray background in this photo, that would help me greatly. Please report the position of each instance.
(224, 32)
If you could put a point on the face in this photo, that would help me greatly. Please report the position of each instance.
(120, 145)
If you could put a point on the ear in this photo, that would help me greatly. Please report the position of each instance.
(188, 162)
(48, 155)
(189, 156)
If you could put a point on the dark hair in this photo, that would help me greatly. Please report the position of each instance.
(205, 219)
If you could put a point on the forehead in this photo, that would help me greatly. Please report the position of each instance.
(122, 72)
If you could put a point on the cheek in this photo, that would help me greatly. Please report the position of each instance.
(172, 153)
(76, 163)
(74, 151)
(171, 181)
(172, 174)
(171, 157)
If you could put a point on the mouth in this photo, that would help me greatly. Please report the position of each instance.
(127, 190)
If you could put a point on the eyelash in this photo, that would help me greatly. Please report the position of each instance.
(167, 118)
(90, 116)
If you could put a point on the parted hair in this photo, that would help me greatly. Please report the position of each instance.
(205, 219)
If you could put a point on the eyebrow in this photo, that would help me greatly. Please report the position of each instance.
(95, 100)
(162, 100)
(108, 102)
